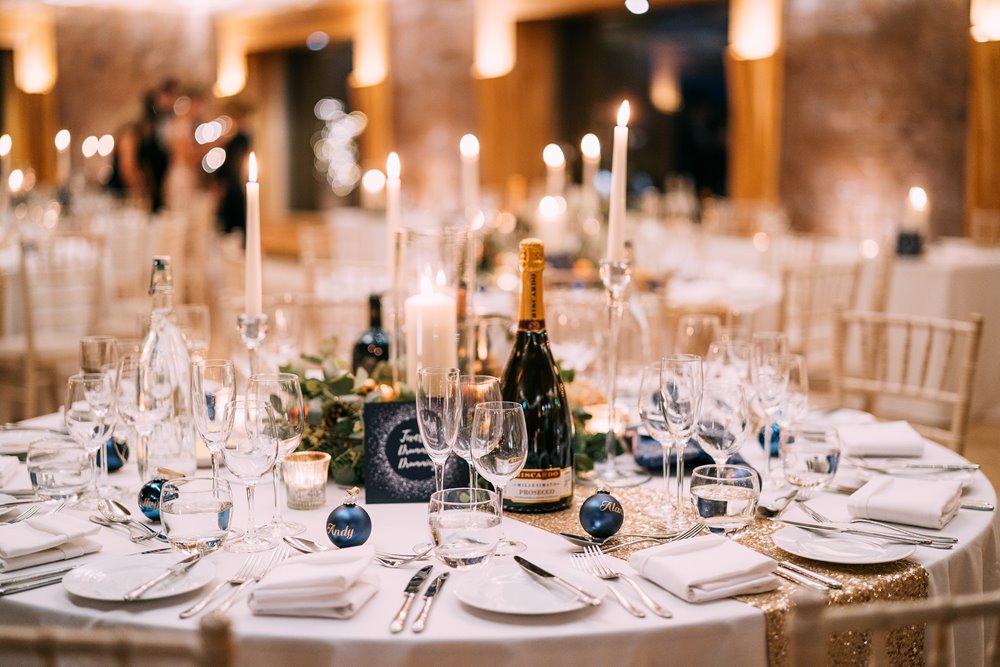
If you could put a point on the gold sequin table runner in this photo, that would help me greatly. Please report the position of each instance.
(900, 580)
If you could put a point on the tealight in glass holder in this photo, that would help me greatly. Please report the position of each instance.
(305, 479)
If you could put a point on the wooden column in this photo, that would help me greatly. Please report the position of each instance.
(755, 94)
(982, 172)
(377, 139)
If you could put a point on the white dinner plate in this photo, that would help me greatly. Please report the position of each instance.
(14, 440)
(837, 417)
(505, 588)
(844, 549)
(110, 578)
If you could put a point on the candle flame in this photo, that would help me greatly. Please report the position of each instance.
(62, 140)
(918, 198)
(441, 279)
(373, 180)
(426, 284)
(469, 146)
(623, 114)
(392, 166)
(5, 144)
(553, 156)
(252, 169)
(590, 146)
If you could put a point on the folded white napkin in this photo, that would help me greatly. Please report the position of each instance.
(8, 469)
(706, 568)
(330, 584)
(880, 439)
(917, 502)
(65, 551)
(41, 533)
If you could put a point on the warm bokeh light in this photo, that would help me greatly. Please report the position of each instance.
(494, 38)
(392, 166)
(5, 144)
(590, 146)
(62, 140)
(468, 146)
(214, 158)
(754, 28)
(371, 61)
(89, 146)
(551, 207)
(553, 156)
(664, 81)
(869, 249)
(373, 180)
(16, 180)
(105, 145)
(209, 132)
(231, 68)
(623, 114)
(637, 6)
(984, 19)
(252, 168)
(34, 41)
(918, 198)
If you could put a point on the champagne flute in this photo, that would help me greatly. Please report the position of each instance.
(651, 414)
(724, 420)
(438, 415)
(681, 385)
(796, 405)
(769, 371)
(213, 387)
(249, 453)
(283, 392)
(144, 398)
(89, 399)
(473, 389)
(499, 449)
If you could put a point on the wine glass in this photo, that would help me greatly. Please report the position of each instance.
(195, 513)
(438, 415)
(681, 385)
(283, 392)
(809, 457)
(796, 403)
(651, 415)
(465, 526)
(194, 322)
(769, 372)
(499, 449)
(695, 333)
(89, 399)
(144, 398)
(728, 359)
(98, 354)
(213, 387)
(725, 496)
(473, 389)
(250, 452)
(724, 420)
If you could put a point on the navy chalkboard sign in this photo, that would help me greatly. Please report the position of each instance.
(397, 468)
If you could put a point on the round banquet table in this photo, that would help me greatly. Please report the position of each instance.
(716, 633)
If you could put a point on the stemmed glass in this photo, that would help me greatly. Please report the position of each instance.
(796, 405)
(474, 390)
(144, 398)
(809, 457)
(250, 452)
(438, 415)
(98, 354)
(283, 392)
(725, 496)
(728, 359)
(213, 387)
(724, 420)
(681, 385)
(89, 399)
(769, 371)
(696, 332)
(499, 449)
(651, 414)
(465, 526)
(194, 322)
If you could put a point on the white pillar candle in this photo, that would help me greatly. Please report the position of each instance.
(468, 147)
(555, 162)
(62, 157)
(431, 331)
(616, 206)
(590, 148)
(253, 285)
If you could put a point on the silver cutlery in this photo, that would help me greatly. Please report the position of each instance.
(889, 537)
(242, 575)
(601, 567)
(544, 575)
(421, 622)
(797, 578)
(690, 532)
(587, 540)
(822, 518)
(114, 511)
(25, 514)
(383, 558)
(968, 504)
(23, 578)
(174, 570)
(20, 501)
(410, 592)
(888, 467)
(280, 553)
(830, 582)
(139, 537)
(583, 562)
(778, 504)
(8, 589)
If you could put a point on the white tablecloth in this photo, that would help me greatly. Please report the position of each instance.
(718, 633)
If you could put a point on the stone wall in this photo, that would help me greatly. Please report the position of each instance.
(875, 102)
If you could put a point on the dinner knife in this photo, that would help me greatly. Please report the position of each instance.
(897, 537)
(432, 591)
(542, 573)
(800, 579)
(24, 578)
(28, 585)
(174, 570)
(822, 578)
(410, 592)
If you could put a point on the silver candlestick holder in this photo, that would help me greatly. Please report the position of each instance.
(253, 333)
(616, 276)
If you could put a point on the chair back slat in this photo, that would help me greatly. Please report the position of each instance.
(810, 297)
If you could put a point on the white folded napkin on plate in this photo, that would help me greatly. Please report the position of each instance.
(41, 533)
(916, 502)
(9, 466)
(330, 584)
(706, 568)
(65, 551)
(880, 439)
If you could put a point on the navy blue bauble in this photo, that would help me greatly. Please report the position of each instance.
(149, 498)
(349, 525)
(602, 515)
(117, 452)
(775, 439)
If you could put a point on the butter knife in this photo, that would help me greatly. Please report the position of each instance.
(410, 592)
(174, 570)
(544, 574)
(432, 591)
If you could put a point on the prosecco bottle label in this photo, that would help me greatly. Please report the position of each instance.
(546, 485)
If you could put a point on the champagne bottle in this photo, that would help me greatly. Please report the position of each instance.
(372, 346)
(532, 379)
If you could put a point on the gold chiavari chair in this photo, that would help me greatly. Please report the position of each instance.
(47, 645)
(879, 355)
(812, 623)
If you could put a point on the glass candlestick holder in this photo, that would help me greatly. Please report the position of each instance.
(253, 333)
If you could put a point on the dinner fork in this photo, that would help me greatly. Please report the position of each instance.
(822, 518)
(280, 553)
(242, 575)
(581, 562)
(690, 532)
(597, 561)
(26, 514)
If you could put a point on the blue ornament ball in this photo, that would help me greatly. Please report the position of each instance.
(349, 524)
(775, 440)
(117, 453)
(602, 515)
(149, 498)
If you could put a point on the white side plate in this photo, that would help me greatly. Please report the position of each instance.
(845, 549)
(503, 587)
(109, 579)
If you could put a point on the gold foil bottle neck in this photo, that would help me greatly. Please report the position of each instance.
(532, 255)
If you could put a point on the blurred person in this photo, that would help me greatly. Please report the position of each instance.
(231, 176)
(153, 157)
